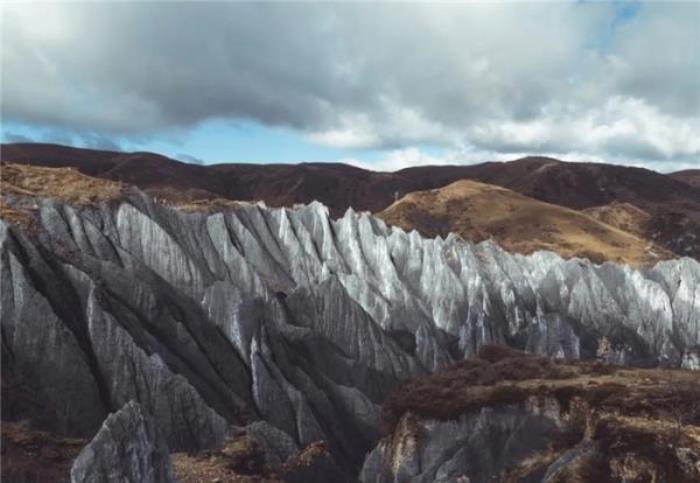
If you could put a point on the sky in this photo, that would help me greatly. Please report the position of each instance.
(378, 85)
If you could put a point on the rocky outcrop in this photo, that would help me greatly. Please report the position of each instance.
(128, 447)
(522, 418)
(213, 319)
(474, 447)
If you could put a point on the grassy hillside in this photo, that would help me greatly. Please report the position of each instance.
(478, 211)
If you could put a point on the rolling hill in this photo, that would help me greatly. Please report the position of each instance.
(478, 211)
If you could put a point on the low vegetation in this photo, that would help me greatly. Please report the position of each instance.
(242, 460)
(64, 184)
(21, 185)
(29, 455)
(501, 375)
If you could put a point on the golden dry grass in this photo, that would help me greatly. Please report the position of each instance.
(26, 182)
(65, 184)
(477, 211)
(203, 205)
(624, 216)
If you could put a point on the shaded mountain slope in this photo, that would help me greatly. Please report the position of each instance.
(689, 176)
(575, 185)
(92, 162)
(336, 185)
(478, 211)
(583, 185)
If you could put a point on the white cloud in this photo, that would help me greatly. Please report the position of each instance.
(621, 126)
(350, 137)
(391, 124)
(501, 77)
(400, 159)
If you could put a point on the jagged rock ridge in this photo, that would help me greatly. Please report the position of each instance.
(209, 320)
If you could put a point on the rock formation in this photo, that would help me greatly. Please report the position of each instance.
(518, 418)
(128, 447)
(219, 318)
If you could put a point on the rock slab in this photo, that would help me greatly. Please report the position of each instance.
(128, 448)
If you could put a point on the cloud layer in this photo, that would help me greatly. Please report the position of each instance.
(603, 80)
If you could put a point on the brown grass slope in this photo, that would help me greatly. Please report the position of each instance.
(585, 185)
(624, 216)
(478, 211)
(66, 184)
(21, 185)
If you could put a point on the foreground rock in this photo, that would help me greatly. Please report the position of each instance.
(128, 448)
(513, 418)
(215, 319)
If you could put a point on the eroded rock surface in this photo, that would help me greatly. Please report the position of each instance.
(477, 446)
(128, 448)
(214, 319)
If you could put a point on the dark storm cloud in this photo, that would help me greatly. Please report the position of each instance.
(133, 67)
(496, 77)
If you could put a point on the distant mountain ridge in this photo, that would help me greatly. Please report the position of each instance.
(673, 205)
